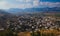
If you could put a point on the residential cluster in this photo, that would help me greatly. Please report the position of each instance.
(32, 23)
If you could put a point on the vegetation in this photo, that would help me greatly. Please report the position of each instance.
(45, 33)
(57, 15)
(7, 33)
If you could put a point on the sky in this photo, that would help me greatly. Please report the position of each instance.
(22, 4)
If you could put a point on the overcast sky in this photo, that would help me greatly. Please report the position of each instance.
(6, 4)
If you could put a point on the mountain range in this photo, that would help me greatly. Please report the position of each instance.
(30, 10)
(3, 12)
(16, 10)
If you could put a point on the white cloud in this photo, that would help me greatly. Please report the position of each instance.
(36, 3)
(4, 4)
(20, 0)
(28, 6)
(24, 0)
(50, 4)
(28, 0)
(23, 6)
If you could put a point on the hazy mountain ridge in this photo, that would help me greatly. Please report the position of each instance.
(15, 10)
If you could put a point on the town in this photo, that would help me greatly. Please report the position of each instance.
(29, 23)
(33, 23)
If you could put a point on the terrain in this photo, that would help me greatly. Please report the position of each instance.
(30, 23)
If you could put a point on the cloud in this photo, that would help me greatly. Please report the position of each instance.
(36, 3)
(50, 4)
(21, 0)
(26, 1)
(27, 4)
(4, 4)
(7, 5)
(23, 6)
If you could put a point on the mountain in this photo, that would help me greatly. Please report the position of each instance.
(3, 18)
(16, 10)
(3, 12)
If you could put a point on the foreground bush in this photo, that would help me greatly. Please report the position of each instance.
(7, 33)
